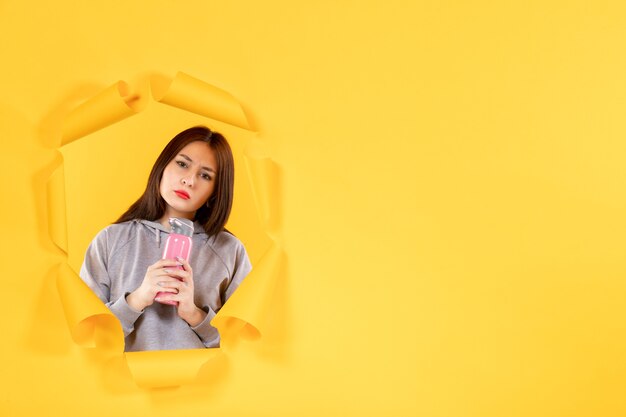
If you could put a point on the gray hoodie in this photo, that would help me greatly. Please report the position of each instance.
(115, 265)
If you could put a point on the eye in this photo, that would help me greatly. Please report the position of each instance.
(206, 176)
(181, 164)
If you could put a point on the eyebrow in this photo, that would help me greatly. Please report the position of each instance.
(190, 160)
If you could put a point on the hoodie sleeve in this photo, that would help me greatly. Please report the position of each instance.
(94, 273)
(241, 268)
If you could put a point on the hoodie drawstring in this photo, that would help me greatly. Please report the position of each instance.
(158, 237)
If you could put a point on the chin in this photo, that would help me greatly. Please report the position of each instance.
(182, 210)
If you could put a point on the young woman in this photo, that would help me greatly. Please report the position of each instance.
(193, 179)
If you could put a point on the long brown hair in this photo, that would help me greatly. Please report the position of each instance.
(212, 215)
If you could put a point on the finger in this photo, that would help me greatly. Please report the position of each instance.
(163, 278)
(170, 284)
(182, 286)
(186, 280)
(167, 289)
(159, 267)
(163, 263)
(178, 273)
(168, 297)
(185, 264)
(168, 272)
(166, 281)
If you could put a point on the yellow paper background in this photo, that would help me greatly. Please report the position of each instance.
(451, 205)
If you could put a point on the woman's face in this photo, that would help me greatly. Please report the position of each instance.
(188, 180)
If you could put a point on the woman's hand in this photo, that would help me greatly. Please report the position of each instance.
(183, 294)
(158, 278)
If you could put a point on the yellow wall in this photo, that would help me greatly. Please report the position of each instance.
(452, 198)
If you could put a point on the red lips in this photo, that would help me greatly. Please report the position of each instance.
(182, 194)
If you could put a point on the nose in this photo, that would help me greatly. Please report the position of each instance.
(187, 181)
